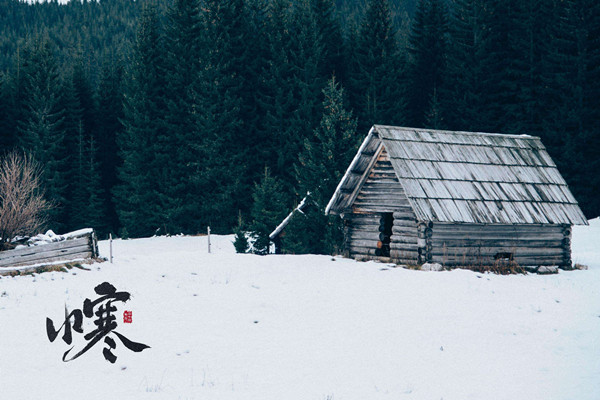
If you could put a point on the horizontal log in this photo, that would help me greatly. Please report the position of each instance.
(383, 200)
(367, 244)
(362, 206)
(498, 235)
(62, 254)
(44, 247)
(364, 222)
(496, 228)
(382, 173)
(404, 231)
(394, 195)
(362, 217)
(491, 252)
(505, 243)
(404, 240)
(523, 261)
(356, 207)
(365, 228)
(397, 205)
(381, 183)
(395, 256)
(360, 236)
(405, 214)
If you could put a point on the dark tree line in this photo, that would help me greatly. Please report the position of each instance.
(228, 112)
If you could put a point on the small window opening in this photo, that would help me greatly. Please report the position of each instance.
(385, 228)
(504, 256)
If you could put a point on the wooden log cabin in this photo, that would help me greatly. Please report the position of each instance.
(412, 196)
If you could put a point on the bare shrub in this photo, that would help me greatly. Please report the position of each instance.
(23, 207)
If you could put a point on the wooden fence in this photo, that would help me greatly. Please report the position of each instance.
(77, 245)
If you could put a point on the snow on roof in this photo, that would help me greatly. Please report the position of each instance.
(469, 177)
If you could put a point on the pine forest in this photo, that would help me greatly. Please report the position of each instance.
(168, 116)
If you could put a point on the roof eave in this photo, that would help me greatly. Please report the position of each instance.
(336, 194)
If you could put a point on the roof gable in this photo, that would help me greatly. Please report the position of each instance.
(468, 177)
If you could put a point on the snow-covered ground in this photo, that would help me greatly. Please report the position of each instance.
(230, 326)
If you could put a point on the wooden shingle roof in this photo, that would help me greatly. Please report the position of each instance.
(466, 177)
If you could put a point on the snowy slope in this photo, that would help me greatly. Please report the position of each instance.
(229, 326)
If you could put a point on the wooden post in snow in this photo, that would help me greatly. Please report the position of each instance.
(208, 230)
(110, 241)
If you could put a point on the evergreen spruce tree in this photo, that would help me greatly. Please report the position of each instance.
(41, 129)
(499, 58)
(376, 70)
(229, 153)
(268, 209)
(329, 34)
(85, 94)
(94, 212)
(6, 135)
(302, 60)
(326, 156)
(183, 101)
(72, 127)
(321, 166)
(109, 127)
(426, 69)
(462, 97)
(138, 200)
(528, 105)
(575, 92)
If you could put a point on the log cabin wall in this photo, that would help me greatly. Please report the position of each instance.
(480, 244)
(382, 193)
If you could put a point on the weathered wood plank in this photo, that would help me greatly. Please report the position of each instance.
(363, 216)
(44, 247)
(394, 254)
(372, 208)
(476, 228)
(42, 257)
(505, 243)
(357, 236)
(73, 258)
(492, 251)
(411, 232)
(498, 235)
(397, 240)
(466, 261)
(368, 244)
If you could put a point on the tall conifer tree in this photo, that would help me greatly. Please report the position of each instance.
(183, 101)
(109, 127)
(576, 100)
(376, 70)
(138, 201)
(427, 64)
(41, 129)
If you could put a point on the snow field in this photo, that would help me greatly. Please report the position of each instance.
(231, 326)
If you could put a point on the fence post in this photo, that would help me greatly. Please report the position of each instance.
(208, 230)
(110, 241)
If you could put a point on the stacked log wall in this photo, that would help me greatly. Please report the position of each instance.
(382, 193)
(479, 244)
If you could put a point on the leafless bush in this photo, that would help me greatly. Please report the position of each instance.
(23, 207)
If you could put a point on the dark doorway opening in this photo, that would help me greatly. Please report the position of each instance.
(385, 233)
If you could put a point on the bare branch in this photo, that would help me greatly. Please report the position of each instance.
(23, 207)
